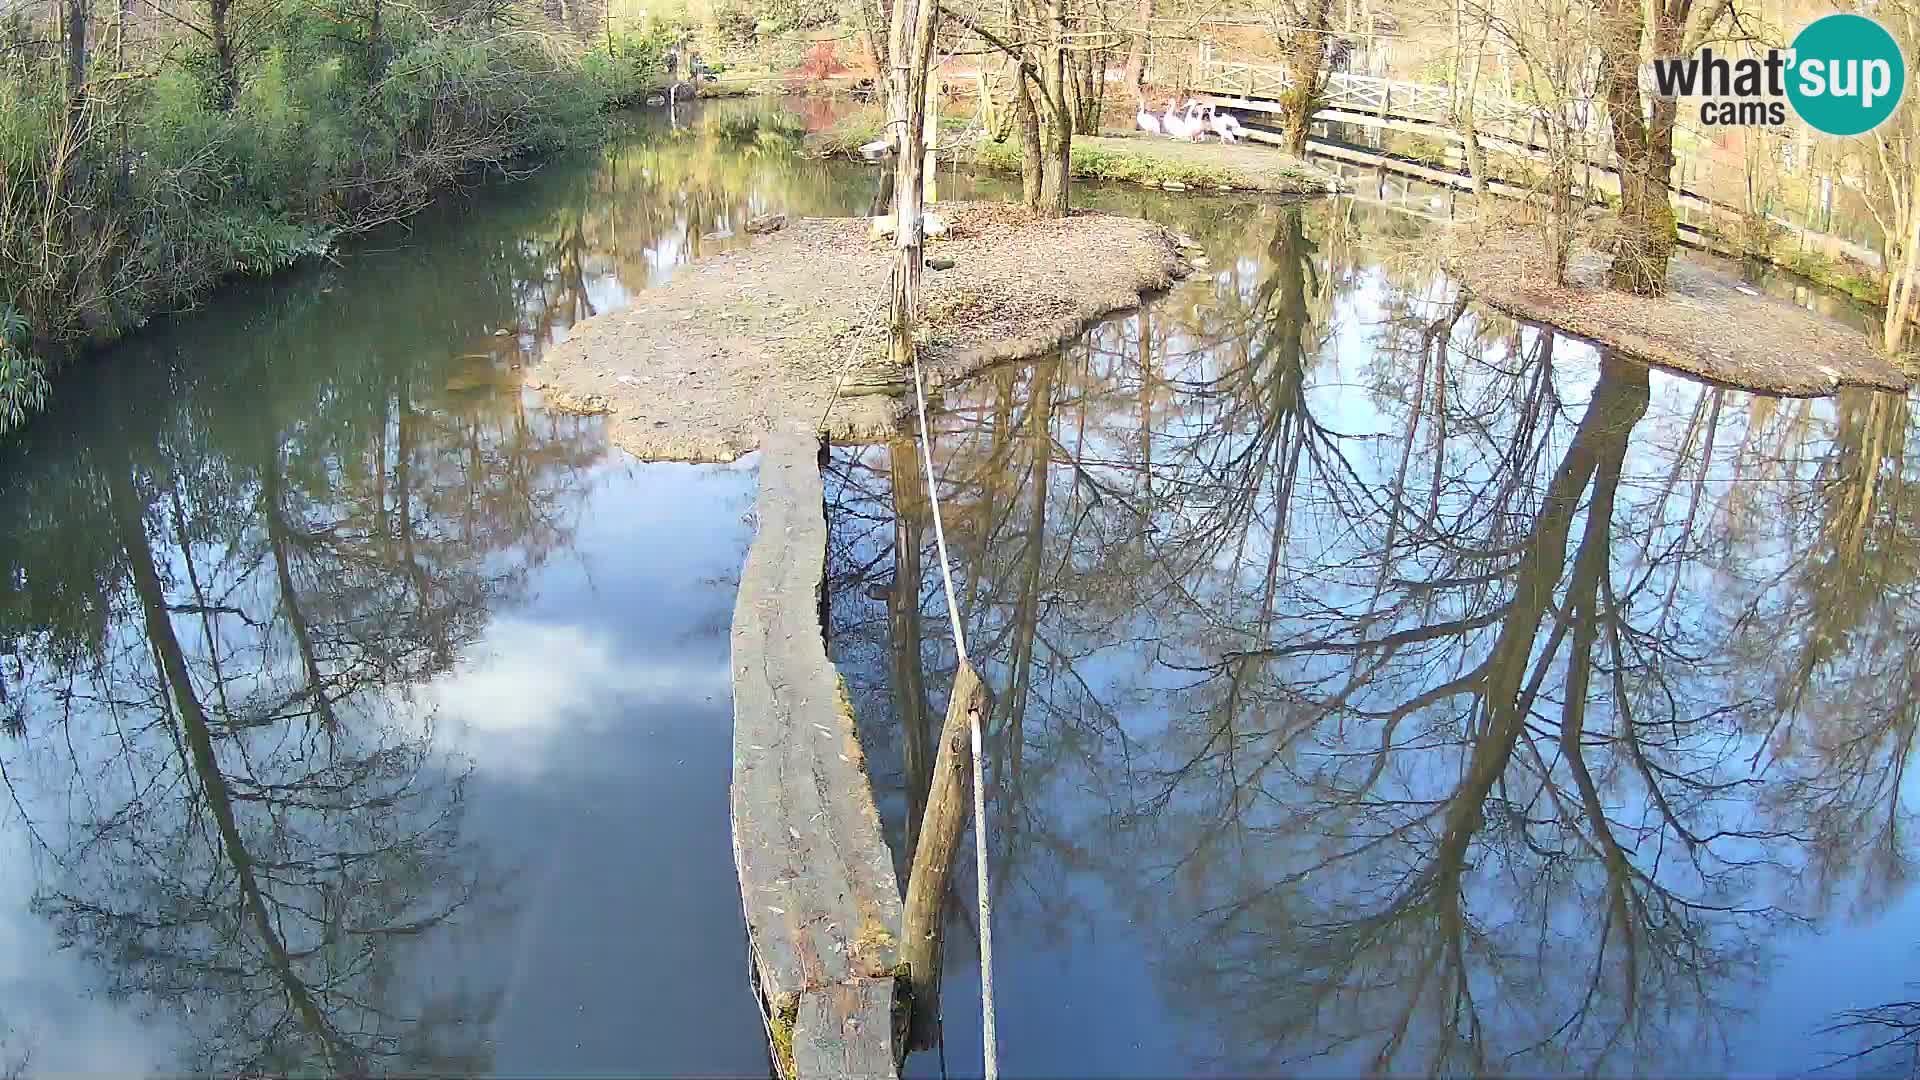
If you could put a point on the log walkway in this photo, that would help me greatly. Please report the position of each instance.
(821, 899)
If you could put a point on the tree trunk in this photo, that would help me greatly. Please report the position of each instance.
(1056, 154)
(870, 20)
(77, 15)
(1056, 114)
(1900, 286)
(1304, 49)
(222, 52)
(1137, 48)
(941, 827)
(1643, 149)
(1463, 97)
(376, 49)
(1028, 121)
(1086, 71)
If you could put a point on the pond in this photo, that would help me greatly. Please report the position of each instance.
(1383, 684)
(1388, 686)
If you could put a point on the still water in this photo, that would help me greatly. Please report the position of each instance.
(1388, 686)
(1384, 685)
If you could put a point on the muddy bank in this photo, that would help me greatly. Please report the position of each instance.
(1709, 324)
(698, 369)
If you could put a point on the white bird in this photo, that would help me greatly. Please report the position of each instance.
(1225, 125)
(1188, 125)
(1170, 120)
(1148, 122)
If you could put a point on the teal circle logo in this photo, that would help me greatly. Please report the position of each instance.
(1846, 74)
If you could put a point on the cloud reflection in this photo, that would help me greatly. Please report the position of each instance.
(533, 689)
(56, 1023)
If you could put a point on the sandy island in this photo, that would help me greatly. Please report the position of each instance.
(1705, 325)
(700, 368)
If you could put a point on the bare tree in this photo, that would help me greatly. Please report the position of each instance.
(1302, 28)
(1892, 151)
(1628, 33)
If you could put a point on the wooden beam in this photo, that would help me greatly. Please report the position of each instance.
(817, 886)
(941, 828)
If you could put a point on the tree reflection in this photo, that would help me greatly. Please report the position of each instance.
(262, 833)
(1451, 708)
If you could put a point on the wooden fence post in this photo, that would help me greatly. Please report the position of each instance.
(949, 798)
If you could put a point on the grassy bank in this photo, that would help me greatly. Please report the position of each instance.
(131, 188)
(1169, 164)
(1150, 162)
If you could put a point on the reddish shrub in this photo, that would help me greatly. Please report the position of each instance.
(821, 62)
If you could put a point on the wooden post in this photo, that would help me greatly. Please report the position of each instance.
(948, 800)
(909, 50)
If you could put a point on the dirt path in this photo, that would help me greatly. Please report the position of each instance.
(698, 369)
(1708, 324)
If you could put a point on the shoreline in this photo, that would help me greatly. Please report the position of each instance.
(1695, 328)
(701, 367)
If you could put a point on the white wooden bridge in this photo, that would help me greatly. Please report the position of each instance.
(1503, 125)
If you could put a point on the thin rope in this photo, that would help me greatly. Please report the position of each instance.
(989, 1045)
(846, 368)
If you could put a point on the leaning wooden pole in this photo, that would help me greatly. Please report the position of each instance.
(941, 828)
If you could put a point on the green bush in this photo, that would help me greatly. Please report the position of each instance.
(23, 377)
(329, 132)
(775, 17)
(1089, 162)
(633, 62)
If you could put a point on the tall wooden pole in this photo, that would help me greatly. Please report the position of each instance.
(910, 51)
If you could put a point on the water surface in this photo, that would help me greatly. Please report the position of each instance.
(1386, 685)
(361, 716)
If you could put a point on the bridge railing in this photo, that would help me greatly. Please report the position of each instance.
(1397, 102)
(1350, 92)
